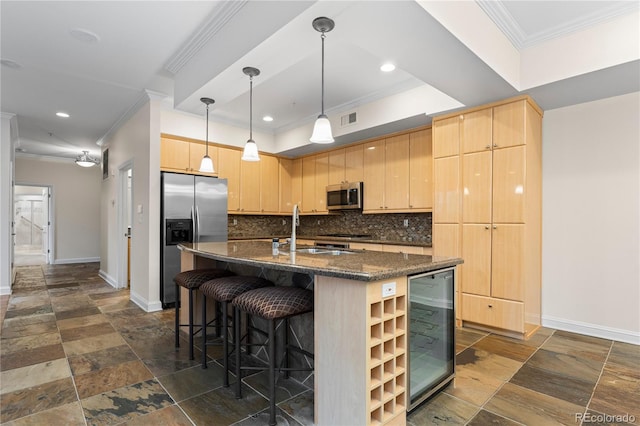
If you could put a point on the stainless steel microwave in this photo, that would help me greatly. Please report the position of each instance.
(344, 196)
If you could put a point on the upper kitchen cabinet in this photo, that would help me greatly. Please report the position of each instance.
(446, 137)
(229, 168)
(315, 178)
(184, 156)
(346, 165)
(420, 170)
(269, 184)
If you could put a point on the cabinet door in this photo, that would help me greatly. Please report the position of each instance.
(446, 180)
(476, 187)
(476, 252)
(396, 173)
(374, 175)
(336, 166)
(250, 186)
(174, 154)
(476, 131)
(296, 183)
(508, 124)
(286, 185)
(353, 163)
(507, 264)
(509, 184)
(446, 137)
(322, 180)
(420, 170)
(229, 168)
(308, 184)
(196, 152)
(269, 184)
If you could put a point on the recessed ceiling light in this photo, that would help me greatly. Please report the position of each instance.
(267, 118)
(83, 35)
(62, 114)
(388, 67)
(10, 64)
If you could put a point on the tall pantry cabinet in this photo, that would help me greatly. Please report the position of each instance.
(487, 210)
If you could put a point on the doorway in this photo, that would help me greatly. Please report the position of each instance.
(125, 224)
(32, 225)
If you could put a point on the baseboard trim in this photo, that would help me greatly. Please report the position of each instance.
(108, 278)
(144, 304)
(77, 260)
(594, 330)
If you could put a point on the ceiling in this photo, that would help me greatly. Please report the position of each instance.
(97, 61)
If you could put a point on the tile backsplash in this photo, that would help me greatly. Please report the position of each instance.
(388, 226)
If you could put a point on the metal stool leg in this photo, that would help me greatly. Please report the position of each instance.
(191, 324)
(272, 373)
(237, 330)
(204, 333)
(286, 348)
(177, 316)
(225, 343)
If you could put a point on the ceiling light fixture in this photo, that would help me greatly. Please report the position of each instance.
(62, 114)
(322, 127)
(387, 67)
(85, 160)
(250, 152)
(267, 118)
(206, 165)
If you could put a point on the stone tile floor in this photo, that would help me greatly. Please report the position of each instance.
(75, 351)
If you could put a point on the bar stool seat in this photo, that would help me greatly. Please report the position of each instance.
(192, 280)
(224, 290)
(272, 304)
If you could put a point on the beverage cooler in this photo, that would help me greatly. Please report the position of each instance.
(431, 334)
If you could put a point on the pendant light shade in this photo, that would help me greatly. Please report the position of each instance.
(206, 165)
(250, 152)
(322, 128)
(85, 160)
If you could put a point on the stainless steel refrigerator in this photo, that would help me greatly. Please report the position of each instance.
(194, 209)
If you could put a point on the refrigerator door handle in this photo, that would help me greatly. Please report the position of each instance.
(194, 219)
(196, 236)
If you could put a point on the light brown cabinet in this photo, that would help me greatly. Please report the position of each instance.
(498, 214)
(259, 182)
(229, 168)
(346, 165)
(420, 170)
(315, 178)
(184, 156)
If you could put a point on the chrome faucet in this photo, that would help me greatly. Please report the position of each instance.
(295, 221)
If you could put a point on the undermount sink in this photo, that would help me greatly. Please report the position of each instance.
(316, 250)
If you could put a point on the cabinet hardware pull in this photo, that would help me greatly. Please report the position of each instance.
(495, 145)
(495, 227)
(486, 227)
(488, 146)
(491, 306)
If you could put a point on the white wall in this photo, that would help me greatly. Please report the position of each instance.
(136, 142)
(591, 218)
(76, 205)
(7, 132)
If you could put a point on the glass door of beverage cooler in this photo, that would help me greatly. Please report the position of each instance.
(431, 333)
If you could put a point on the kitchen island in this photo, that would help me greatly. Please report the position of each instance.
(360, 320)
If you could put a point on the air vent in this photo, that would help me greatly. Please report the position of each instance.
(348, 119)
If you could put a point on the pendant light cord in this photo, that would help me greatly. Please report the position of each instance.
(322, 94)
(206, 154)
(250, 107)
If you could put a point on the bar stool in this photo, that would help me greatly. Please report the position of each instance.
(191, 280)
(224, 290)
(272, 304)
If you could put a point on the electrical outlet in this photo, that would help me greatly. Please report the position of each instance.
(388, 289)
(406, 223)
(284, 222)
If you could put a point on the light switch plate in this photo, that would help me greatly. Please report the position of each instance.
(388, 289)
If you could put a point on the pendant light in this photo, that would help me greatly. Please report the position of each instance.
(206, 165)
(250, 152)
(85, 160)
(322, 128)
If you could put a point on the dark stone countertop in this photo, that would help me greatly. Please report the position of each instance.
(333, 238)
(360, 265)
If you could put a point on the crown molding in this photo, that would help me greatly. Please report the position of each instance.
(220, 16)
(499, 14)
